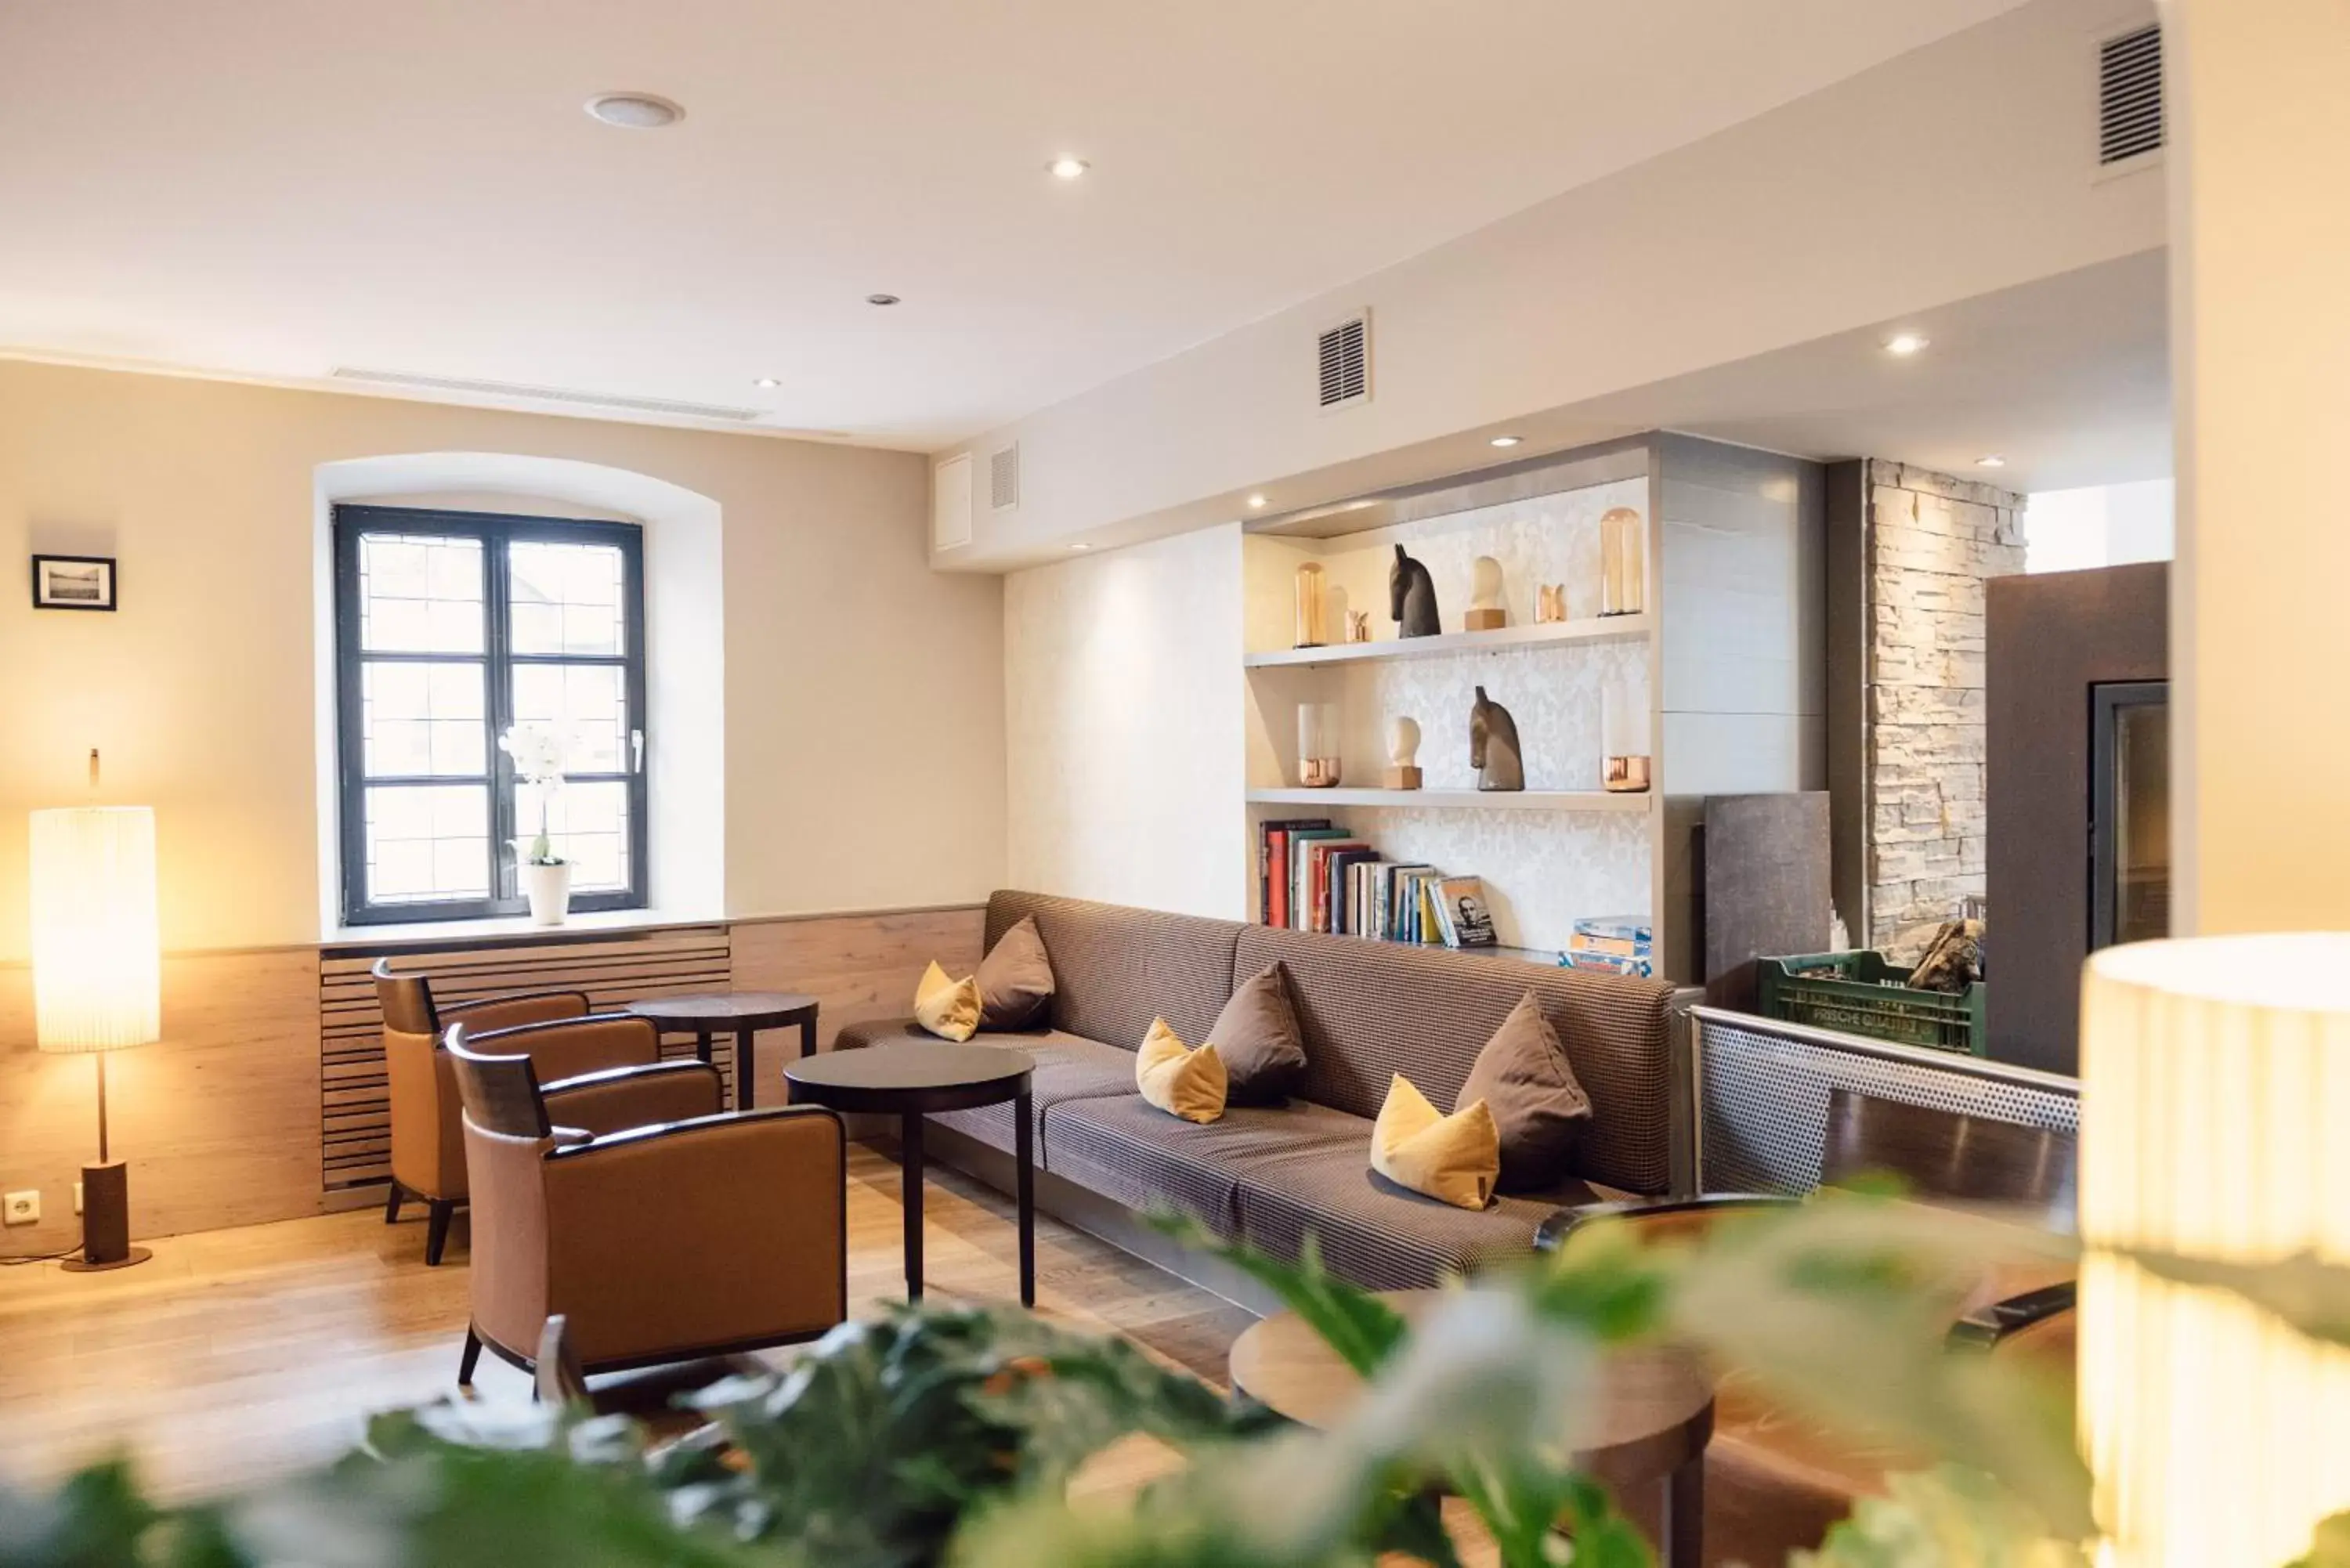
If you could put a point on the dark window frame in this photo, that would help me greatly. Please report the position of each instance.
(495, 530)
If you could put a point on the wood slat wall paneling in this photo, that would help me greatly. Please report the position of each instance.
(354, 1149)
(219, 1120)
(858, 968)
(264, 1099)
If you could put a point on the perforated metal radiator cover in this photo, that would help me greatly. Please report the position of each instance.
(1762, 1089)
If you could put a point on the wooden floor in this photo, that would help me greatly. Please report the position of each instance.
(240, 1355)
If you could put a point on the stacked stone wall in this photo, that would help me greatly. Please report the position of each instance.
(1933, 542)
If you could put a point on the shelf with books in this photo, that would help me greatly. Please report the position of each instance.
(1599, 628)
(1460, 799)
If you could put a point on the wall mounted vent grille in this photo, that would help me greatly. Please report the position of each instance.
(1004, 478)
(550, 395)
(1343, 371)
(2129, 96)
(950, 504)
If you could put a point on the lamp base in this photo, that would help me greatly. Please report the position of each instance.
(106, 1221)
(84, 1266)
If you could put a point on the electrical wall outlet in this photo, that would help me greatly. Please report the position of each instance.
(21, 1207)
(76, 1196)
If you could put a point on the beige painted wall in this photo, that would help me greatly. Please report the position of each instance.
(1124, 711)
(2261, 336)
(840, 645)
(1958, 169)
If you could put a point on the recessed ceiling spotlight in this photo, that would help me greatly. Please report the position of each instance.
(1080, 545)
(1904, 343)
(1505, 440)
(1990, 463)
(1255, 502)
(765, 382)
(1068, 167)
(881, 299)
(635, 111)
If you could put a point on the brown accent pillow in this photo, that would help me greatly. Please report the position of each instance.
(1524, 1079)
(1257, 1036)
(1015, 979)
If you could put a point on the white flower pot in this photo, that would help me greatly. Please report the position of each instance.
(549, 888)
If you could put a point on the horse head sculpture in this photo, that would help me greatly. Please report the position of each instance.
(1411, 598)
(1494, 746)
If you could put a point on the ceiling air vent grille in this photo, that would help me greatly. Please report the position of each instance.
(1343, 371)
(522, 393)
(2129, 96)
(1004, 478)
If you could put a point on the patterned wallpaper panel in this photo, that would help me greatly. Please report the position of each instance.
(1546, 539)
(1542, 869)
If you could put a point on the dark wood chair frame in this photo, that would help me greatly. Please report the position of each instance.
(436, 1019)
(507, 1091)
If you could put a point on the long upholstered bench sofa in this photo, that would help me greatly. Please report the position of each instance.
(1270, 1175)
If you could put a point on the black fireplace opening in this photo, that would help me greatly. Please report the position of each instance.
(2129, 812)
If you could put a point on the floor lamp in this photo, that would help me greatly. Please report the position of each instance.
(96, 979)
(2215, 1091)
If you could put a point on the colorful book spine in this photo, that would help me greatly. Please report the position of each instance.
(1612, 944)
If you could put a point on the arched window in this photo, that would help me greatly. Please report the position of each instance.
(451, 627)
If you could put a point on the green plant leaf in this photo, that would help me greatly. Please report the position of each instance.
(2311, 1295)
(1604, 1280)
(1842, 1306)
(96, 1519)
(1946, 1518)
(2329, 1546)
(1363, 1330)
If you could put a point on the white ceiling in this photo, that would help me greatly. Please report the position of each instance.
(2065, 378)
(280, 187)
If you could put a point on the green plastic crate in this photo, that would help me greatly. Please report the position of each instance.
(1866, 996)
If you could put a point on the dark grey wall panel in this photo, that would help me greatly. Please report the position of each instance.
(2048, 639)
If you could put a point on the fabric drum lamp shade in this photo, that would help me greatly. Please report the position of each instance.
(2215, 1095)
(96, 958)
(97, 977)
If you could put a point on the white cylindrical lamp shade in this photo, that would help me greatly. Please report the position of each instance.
(97, 955)
(2215, 1100)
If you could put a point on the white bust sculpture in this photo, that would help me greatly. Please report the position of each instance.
(1403, 754)
(1403, 742)
(1485, 583)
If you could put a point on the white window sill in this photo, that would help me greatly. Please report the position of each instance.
(507, 931)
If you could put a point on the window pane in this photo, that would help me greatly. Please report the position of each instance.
(423, 719)
(427, 842)
(420, 594)
(589, 701)
(588, 826)
(565, 599)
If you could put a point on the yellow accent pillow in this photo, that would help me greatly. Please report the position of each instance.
(1456, 1160)
(947, 1008)
(1179, 1080)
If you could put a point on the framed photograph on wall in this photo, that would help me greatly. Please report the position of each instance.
(73, 582)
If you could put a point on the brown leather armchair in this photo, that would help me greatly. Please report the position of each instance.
(428, 1145)
(660, 1227)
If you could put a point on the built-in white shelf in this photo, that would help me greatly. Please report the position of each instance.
(1459, 799)
(1598, 629)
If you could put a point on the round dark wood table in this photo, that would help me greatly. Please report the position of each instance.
(741, 1013)
(911, 1079)
(1654, 1420)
